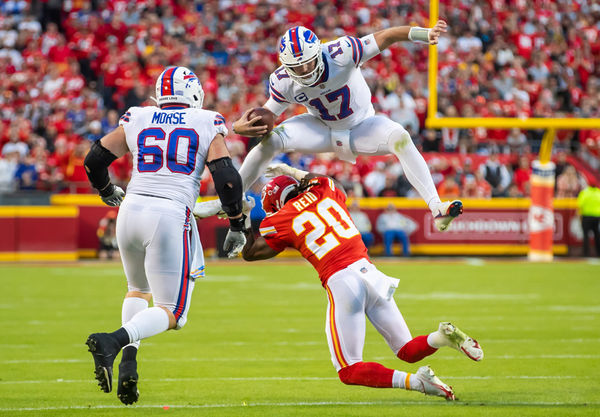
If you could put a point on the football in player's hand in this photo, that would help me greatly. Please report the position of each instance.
(266, 117)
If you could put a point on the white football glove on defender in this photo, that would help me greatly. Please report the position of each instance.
(112, 195)
(276, 170)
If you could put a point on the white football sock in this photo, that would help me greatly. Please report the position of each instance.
(132, 306)
(259, 158)
(146, 323)
(437, 340)
(415, 168)
(399, 380)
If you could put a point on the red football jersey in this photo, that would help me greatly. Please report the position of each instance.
(317, 223)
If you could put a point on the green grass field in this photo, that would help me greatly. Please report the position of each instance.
(255, 343)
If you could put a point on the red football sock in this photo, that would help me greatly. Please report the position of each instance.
(415, 350)
(369, 374)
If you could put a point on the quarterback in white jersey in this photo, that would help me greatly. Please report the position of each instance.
(327, 80)
(156, 233)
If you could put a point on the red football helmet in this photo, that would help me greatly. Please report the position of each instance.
(275, 192)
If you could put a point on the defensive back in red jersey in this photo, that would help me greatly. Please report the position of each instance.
(317, 223)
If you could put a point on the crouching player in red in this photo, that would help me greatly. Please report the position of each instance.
(308, 212)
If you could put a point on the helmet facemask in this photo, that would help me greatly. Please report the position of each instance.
(310, 77)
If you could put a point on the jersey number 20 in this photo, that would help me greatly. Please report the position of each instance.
(155, 152)
(319, 221)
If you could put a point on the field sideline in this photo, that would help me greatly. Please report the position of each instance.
(255, 343)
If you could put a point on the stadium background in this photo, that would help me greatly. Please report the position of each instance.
(254, 344)
(71, 68)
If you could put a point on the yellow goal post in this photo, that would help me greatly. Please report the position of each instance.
(550, 124)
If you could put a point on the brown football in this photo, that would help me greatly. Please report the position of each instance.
(266, 117)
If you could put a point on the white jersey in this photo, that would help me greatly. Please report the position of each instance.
(169, 149)
(341, 98)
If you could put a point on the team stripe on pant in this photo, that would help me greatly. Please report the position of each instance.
(185, 270)
(337, 346)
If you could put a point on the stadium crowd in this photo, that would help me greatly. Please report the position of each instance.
(70, 69)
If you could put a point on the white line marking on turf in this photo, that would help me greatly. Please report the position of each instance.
(208, 359)
(463, 296)
(306, 404)
(285, 378)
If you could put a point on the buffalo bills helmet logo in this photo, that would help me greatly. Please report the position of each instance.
(282, 44)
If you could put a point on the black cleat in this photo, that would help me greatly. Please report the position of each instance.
(104, 349)
(128, 378)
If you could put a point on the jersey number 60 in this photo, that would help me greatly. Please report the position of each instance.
(155, 152)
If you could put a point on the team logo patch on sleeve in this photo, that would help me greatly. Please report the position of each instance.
(219, 120)
(125, 117)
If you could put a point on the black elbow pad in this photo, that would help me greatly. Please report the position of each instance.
(96, 165)
(228, 185)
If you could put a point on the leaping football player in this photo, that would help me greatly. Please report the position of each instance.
(327, 80)
(308, 212)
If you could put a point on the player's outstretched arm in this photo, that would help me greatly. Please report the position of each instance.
(276, 170)
(385, 38)
(257, 249)
(228, 185)
(102, 153)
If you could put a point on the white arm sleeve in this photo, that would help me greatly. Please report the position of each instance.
(277, 102)
(370, 48)
(275, 107)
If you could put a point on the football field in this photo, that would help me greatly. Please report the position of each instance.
(255, 345)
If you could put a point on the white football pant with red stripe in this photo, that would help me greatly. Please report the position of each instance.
(353, 297)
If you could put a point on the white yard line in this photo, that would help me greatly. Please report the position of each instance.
(302, 404)
(283, 378)
(286, 359)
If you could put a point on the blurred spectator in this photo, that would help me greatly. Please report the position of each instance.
(393, 226)
(496, 175)
(448, 189)
(26, 174)
(568, 184)
(107, 236)
(522, 175)
(8, 168)
(517, 141)
(375, 180)
(362, 223)
(588, 203)
(15, 145)
(431, 141)
(94, 131)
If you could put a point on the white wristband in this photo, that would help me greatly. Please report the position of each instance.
(298, 173)
(418, 34)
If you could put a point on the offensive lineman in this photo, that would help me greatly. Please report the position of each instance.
(156, 233)
(311, 216)
(326, 79)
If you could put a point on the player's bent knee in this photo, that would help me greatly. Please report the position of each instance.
(173, 324)
(272, 144)
(138, 294)
(399, 141)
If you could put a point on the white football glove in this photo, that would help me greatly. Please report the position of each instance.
(234, 243)
(112, 195)
(276, 170)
